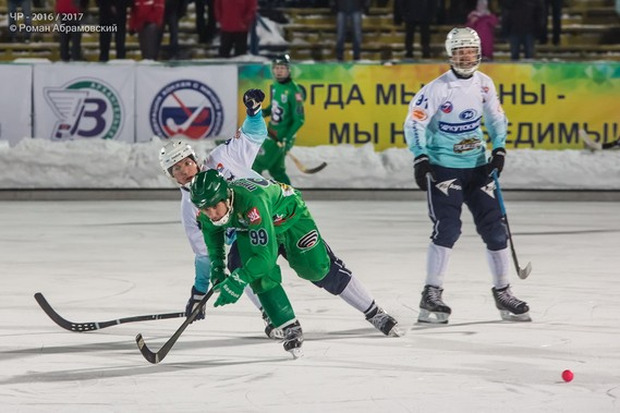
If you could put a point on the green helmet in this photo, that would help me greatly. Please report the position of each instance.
(208, 188)
(284, 60)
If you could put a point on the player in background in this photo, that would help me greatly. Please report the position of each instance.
(233, 160)
(443, 130)
(286, 113)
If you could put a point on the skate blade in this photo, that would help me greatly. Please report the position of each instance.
(508, 316)
(296, 352)
(396, 331)
(429, 317)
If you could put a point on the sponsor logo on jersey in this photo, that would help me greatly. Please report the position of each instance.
(245, 183)
(459, 127)
(186, 107)
(447, 107)
(299, 97)
(308, 241)
(485, 89)
(254, 216)
(419, 114)
(467, 145)
(85, 108)
(447, 185)
(467, 114)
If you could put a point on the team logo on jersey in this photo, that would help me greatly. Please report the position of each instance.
(308, 241)
(299, 97)
(467, 114)
(85, 108)
(186, 107)
(418, 114)
(445, 186)
(254, 216)
(467, 145)
(485, 89)
(284, 97)
(447, 107)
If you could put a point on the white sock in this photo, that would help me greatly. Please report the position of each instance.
(437, 259)
(499, 263)
(356, 295)
(253, 297)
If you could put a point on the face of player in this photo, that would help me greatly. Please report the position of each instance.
(184, 171)
(465, 57)
(217, 212)
(281, 72)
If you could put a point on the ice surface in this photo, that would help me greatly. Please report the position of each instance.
(97, 261)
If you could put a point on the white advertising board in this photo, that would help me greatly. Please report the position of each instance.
(16, 102)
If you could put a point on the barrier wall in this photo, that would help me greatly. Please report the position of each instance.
(546, 103)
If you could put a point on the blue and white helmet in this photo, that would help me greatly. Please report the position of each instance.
(463, 37)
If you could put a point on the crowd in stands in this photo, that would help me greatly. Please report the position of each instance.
(522, 23)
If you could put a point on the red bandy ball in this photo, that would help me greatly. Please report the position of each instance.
(567, 375)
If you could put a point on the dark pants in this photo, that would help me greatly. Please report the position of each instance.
(473, 187)
(205, 28)
(229, 39)
(150, 40)
(425, 38)
(109, 17)
(516, 40)
(556, 21)
(71, 42)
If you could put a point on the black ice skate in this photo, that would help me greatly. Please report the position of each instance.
(270, 330)
(384, 322)
(509, 306)
(293, 339)
(432, 308)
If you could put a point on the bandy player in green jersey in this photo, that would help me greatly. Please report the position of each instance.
(286, 112)
(268, 216)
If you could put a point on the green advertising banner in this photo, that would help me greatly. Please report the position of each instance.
(546, 103)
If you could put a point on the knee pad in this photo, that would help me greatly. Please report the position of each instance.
(494, 236)
(337, 277)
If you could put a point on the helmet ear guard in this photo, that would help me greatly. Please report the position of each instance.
(460, 38)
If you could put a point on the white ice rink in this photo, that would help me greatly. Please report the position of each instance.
(97, 261)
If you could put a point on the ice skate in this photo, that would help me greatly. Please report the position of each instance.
(270, 330)
(384, 323)
(432, 308)
(293, 339)
(509, 306)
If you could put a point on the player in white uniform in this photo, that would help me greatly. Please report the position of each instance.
(233, 159)
(443, 130)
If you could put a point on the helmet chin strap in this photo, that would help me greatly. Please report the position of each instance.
(226, 217)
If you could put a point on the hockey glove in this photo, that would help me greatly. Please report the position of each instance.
(496, 162)
(230, 290)
(422, 167)
(217, 275)
(252, 100)
(193, 301)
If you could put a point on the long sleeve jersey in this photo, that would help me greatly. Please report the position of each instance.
(286, 109)
(445, 117)
(261, 210)
(234, 159)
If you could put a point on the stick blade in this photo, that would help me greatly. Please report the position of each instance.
(316, 168)
(588, 142)
(151, 357)
(523, 273)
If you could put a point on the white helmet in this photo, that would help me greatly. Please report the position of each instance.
(458, 38)
(173, 152)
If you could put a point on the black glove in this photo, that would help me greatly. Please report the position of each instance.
(193, 301)
(252, 100)
(422, 167)
(496, 161)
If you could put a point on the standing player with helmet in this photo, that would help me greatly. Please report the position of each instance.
(233, 159)
(286, 112)
(443, 130)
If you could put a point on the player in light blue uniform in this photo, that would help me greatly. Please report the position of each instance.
(443, 131)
